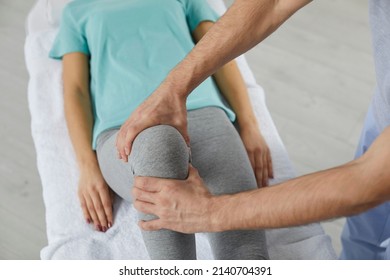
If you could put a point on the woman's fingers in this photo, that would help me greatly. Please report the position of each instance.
(84, 208)
(112, 197)
(97, 208)
(265, 170)
(261, 169)
(107, 206)
(270, 167)
(97, 202)
(252, 160)
(258, 170)
(92, 212)
(253, 164)
(96, 199)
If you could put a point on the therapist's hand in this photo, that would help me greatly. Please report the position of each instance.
(181, 205)
(162, 107)
(259, 154)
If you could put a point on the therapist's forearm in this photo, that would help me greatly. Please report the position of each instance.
(341, 191)
(244, 25)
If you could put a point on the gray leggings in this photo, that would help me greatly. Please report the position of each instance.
(220, 157)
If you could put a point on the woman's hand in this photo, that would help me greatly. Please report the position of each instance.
(96, 198)
(258, 152)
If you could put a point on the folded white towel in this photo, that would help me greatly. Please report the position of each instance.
(69, 237)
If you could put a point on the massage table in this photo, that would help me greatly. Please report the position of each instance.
(69, 236)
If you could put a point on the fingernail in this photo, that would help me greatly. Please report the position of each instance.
(99, 228)
(104, 229)
(127, 151)
(109, 225)
(88, 221)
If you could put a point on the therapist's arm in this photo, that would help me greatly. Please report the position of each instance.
(187, 206)
(243, 26)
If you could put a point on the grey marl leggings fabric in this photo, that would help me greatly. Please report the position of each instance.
(220, 157)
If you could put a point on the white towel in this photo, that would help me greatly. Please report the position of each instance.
(69, 237)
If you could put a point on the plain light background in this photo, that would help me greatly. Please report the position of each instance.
(317, 72)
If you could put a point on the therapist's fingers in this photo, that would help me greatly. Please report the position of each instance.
(150, 225)
(143, 195)
(145, 207)
(123, 149)
(148, 183)
(182, 128)
(131, 134)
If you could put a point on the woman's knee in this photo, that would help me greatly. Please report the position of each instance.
(160, 151)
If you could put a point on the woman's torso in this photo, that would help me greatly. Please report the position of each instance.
(133, 45)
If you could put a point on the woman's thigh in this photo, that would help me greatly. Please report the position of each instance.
(218, 152)
(221, 159)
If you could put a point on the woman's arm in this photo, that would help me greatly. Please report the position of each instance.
(232, 86)
(94, 194)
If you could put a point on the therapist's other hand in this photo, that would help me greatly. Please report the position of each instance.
(181, 205)
(96, 198)
(259, 154)
(162, 107)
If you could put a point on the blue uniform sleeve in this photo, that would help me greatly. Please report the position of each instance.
(198, 11)
(70, 38)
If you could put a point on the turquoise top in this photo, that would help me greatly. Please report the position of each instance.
(133, 44)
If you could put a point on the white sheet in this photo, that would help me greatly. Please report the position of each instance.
(69, 237)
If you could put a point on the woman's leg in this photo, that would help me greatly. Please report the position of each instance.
(158, 151)
(222, 161)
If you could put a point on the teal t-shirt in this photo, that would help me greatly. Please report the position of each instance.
(133, 44)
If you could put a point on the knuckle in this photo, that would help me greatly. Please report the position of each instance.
(93, 188)
(98, 208)
(107, 204)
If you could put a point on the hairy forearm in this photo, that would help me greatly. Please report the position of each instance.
(231, 85)
(341, 191)
(244, 25)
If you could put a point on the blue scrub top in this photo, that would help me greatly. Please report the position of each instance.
(367, 236)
